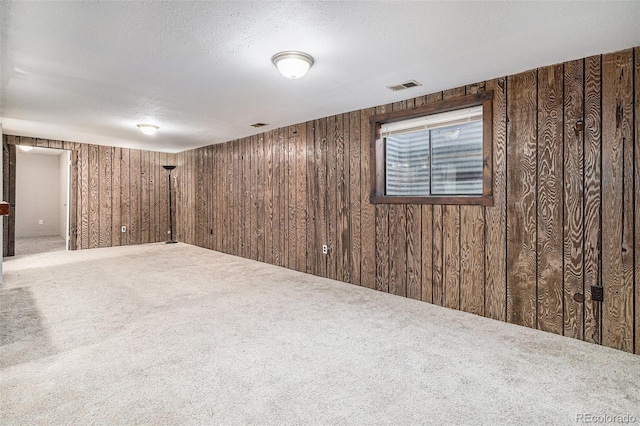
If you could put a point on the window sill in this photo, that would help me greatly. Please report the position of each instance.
(476, 200)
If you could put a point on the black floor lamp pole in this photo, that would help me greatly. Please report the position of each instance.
(171, 241)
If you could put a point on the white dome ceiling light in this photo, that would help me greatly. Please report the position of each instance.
(292, 64)
(148, 129)
(25, 148)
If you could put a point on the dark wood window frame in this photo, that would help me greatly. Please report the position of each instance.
(378, 160)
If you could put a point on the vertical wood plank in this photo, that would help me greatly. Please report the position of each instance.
(269, 204)
(398, 249)
(105, 154)
(125, 196)
(284, 195)
(94, 196)
(398, 239)
(521, 199)
(253, 195)
(301, 196)
(550, 200)
(451, 256)
(495, 215)
(617, 232)
(343, 137)
(260, 182)
(199, 210)
(311, 199)
(573, 200)
(237, 199)
(144, 197)
(332, 199)
(83, 154)
(382, 235)
(438, 258)
(355, 195)
(153, 194)
(246, 196)
(367, 210)
(472, 292)
(472, 260)
(278, 199)
(321, 162)
(636, 96)
(292, 195)
(115, 202)
(592, 200)
(134, 194)
(414, 254)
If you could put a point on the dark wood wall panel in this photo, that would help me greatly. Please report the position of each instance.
(110, 188)
(636, 139)
(573, 193)
(522, 195)
(592, 197)
(617, 200)
(495, 281)
(550, 200)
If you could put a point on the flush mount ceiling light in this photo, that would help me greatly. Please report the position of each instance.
(25, 148)
(292, 64)
(148, 129)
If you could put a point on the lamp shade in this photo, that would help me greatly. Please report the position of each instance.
(292, 64)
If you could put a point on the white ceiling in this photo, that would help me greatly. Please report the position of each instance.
(202, 71)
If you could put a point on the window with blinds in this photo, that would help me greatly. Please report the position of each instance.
(435, 155)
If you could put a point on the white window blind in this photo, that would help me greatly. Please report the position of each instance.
(440, 154)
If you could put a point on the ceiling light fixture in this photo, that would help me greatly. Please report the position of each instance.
(148, 129)
(292, 64)
(25, 148)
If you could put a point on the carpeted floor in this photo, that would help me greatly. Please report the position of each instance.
(34, 245)
(175, 334)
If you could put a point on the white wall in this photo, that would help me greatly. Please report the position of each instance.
(37, 194)
(63, 176)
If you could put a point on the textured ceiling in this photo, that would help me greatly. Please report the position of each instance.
(202, 71)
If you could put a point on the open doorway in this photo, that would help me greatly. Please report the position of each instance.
(42, 200)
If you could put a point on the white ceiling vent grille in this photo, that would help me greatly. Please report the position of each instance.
(406, 85)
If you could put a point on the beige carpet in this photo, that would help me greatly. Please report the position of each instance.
(34, 245)
(175, 334)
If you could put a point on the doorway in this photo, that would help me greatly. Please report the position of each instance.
(42, 200)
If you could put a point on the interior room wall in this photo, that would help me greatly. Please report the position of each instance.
(37, 195)
(565, 216)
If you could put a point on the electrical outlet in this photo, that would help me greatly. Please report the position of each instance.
(40, 222)
(325, 249)
(597, 293)
(124, 229)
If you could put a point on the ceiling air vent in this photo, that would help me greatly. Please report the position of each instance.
(259, 125)
(406, 85)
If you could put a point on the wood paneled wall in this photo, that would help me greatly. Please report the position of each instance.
(110, 188)
(566, 212)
